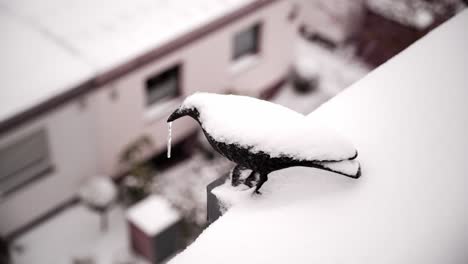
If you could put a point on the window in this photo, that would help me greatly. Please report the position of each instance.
(23, 161)
(246, 42)
(163, 86)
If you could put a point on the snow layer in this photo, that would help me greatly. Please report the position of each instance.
(99, 191)
(267, 127)
(153, 214)
(408, 119)
(32, 67)
(403, 12)
(420, 14)
(50, 46)
(185, 185)
(75, 233)
(109, 32)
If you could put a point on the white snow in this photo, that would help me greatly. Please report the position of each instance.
(267, 127)
(110, 32)
(307, 68)
(408, 119)
(99, 191)
(335, 71)
(410, 13)
(50, 46)
(32, 67)
(75, 233)
(153, 214)
(423, 19)
(185, 185)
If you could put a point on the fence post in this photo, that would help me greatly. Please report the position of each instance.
(212, 203)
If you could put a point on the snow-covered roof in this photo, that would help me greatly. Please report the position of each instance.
(50, 46)
(408, 120)
(32, 67)
(153, 214)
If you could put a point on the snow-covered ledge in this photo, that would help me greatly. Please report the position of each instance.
(409, 120)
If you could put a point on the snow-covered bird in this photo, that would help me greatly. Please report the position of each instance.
(264, 137)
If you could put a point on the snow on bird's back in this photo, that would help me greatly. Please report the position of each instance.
(267, 127)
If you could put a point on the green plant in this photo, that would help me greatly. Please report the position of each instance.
(137, 183)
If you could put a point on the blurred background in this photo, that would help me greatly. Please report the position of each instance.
(87, 86)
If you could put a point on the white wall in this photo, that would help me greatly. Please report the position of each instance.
(206, 66)
(72, 147)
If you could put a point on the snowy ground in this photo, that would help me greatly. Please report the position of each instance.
(185, 185)
(75, 232)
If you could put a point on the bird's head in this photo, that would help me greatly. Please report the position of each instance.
(184, 111)
(193, 105)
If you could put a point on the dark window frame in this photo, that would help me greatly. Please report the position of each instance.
(258, 29)
(159, 77)
(39, 170)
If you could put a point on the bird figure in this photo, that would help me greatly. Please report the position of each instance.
(264, 137)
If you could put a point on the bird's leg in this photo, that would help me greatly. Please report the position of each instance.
(235, 175)
(263, 179)
(252, 177)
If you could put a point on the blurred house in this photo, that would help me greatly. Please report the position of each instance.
(390, 26)
(377, 29)
(82, 79)
(331, 21)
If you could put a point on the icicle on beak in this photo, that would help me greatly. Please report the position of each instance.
(178, 113)
(169, 139)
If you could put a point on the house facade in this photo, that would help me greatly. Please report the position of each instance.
(388, 27)
(332, 21)
(49, 146)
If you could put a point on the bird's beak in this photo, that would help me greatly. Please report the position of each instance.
(178, 113)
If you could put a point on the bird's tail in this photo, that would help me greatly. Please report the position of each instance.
(348, 168)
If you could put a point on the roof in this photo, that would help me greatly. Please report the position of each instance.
(408, 120)
(153, 215)
(33, 68)
(52, 46)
